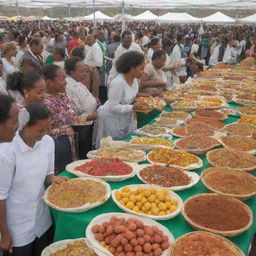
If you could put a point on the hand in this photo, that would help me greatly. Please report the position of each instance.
(138, 105)
(164, 85)
(92, 116)
(6, 242)
(57, 179)
(69, 132)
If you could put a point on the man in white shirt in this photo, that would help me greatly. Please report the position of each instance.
(94, 56)
(125, 46)
(2, 81)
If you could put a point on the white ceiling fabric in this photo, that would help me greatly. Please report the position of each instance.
(221, 4)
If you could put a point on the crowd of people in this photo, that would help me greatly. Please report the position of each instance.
(55, 74)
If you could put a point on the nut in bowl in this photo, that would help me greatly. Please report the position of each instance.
(77, 195)
(148, 201)
(152, 142)
(128, 235)
(168, 177)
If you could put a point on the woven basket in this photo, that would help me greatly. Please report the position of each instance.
(230, 233)
(229, 245)
(208, 157)
(241, 197)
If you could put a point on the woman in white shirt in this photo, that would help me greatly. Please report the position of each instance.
(117, 116)
(84, 100)
(26, 163)
(9, 51)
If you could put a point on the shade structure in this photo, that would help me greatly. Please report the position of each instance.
(172, 17)
(218, 18)
(147, 15)
(98, 16)
(47, 18)
(249, 19)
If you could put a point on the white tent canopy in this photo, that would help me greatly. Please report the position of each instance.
(47, 18)
(214, 4)
(219, 18)
(249, 19)
(147, 15)
(98, 16)
(182, 17)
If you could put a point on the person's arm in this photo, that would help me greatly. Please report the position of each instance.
(6, 240)
(145, 82)
(6, 176)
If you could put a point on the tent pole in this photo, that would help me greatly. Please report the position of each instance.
(69, 10)
(123, 19)
(94, 20)
(17, 8)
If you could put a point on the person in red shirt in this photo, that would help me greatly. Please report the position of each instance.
(73, 42)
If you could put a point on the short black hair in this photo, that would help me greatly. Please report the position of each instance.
(179, 37)
(5, 107)
(126, 32)
(117, 38)
(37, 111)
(154, 41)
(61, 51)
(49, 71)
(129, 60)
(18, 81)
(166, 42)
(158, 54)
(70, 64)
(78, 52)
(21, 39)
(34, 41)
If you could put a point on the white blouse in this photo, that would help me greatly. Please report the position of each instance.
(82, 97)
(22, 175)
(8, 68)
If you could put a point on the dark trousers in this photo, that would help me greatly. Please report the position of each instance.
(35, 248)
(63, 153)
(84, 139)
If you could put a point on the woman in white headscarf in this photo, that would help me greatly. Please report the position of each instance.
(197, 64)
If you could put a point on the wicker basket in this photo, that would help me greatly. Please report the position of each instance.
(197, 151)
(229, 245)
(241, 197)
(208, 155)
(230, 233)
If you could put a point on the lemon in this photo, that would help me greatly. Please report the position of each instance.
(152, 198)
(162, 213)
(147, 205)
(174, 202)
(136, 209)
(155, 211)
(130, 205)
(147, 193)
(162, 206)
(133, 198)
(118, 195)
(173, 208)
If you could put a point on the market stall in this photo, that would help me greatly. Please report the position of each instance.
(73, 225)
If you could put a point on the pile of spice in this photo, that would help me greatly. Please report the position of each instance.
(240, 129)
(75, 193)
(105, 167)
(232, 159)
(167, 122)
(204, 243)
(239, 143)
(179, 131)
(218, 212)
(201, 129)
(164, 176)
(229, 181)
(175, 115)
(173, 157)
(209, 113)
(196, 142)
(127, 155)
(151, 141)
(214, 123)
(153, 129)
(76, 248)
(247, 120)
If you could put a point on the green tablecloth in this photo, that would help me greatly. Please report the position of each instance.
(73, 225)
